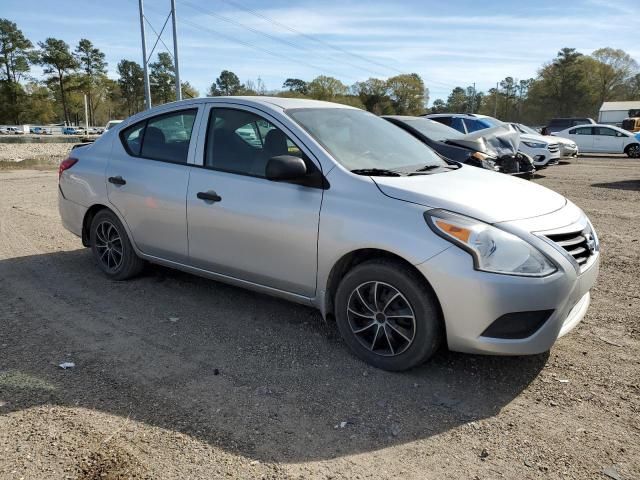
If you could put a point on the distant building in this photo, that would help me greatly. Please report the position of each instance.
(615, 112)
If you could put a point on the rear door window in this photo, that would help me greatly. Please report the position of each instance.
(458, 124)
(582, 131)
(132, 138)
(167, 137)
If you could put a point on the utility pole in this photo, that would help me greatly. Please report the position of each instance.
(86, 115)
(495, 108)
(175, 50)
(473, 99)
(147, 87)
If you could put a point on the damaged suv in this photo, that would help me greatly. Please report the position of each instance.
(335, 208)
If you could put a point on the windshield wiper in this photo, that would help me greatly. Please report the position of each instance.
(376, 172)
(427, 168)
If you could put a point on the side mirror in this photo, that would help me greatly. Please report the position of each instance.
(285, 167)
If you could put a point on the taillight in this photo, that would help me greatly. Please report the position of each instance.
(66, 165)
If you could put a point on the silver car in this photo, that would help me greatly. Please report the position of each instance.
(333, 207)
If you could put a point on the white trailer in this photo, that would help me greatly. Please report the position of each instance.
(614, 113)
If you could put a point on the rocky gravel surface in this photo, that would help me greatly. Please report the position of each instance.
(46, 153)
(179, 377)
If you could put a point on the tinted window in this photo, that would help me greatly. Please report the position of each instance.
(132, 138)
(167, 137)
(582, 131)
(433, 130)
(560, 122)
(242, 142)
(609, 132)
(443, 120)
(474, 125)
(457, 123)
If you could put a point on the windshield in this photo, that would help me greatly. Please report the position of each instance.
(361, 140)
(433, 130)
(525, 129)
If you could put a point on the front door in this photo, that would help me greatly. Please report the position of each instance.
(243, 225)
(607, 140)
(147, 180)
(583, 136)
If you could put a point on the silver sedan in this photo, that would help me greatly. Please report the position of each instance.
(333, 207)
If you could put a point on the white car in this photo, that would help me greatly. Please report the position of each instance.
(543, 150)
(568, 148)
(603, 139)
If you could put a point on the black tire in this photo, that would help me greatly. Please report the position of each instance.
(107, 237)
(386, 276)
(633, 151)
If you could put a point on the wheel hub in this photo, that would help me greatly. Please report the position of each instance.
(381, 318)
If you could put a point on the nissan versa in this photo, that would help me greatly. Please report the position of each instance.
(333, 207)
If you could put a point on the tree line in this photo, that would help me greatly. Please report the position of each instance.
(572, 84)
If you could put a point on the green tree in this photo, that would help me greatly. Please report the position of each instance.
(163, 79)
(296, 85)
(326, 88)
(93, 66)
(188, 91)
(58, 62)
(457, 102)
(612, 69)
(15, 57)
(131, 83)
(563, 85)
(227, 83)
(439, 106)
(374, 95)
(407, 94)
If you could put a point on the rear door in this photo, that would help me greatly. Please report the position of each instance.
(241, 224)
(147, 179)
(583, 136)
(607, 140)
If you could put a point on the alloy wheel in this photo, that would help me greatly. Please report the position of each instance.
(634, 151)
(109, 246)
(381, 318)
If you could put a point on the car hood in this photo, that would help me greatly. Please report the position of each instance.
(496, 141)
(562, 140)
(488, 196)
(529, 137)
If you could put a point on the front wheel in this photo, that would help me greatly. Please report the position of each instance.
(633, 151)
(111, 247)
(387, 315)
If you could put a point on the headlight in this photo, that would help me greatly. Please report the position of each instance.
(493, 250)
(535, 144)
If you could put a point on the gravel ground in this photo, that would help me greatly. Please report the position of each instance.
(46, 153)
(181, 377)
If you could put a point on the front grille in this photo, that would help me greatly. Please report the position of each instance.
(553, 147)
(580, 245)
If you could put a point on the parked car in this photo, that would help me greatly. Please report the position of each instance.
(543, 151)
(603, 139)
(72, 131)
(13, 131)
(111, 123)
(558, 124)
(494, 151)
(338, 209)
(568, 148)
(631, 124)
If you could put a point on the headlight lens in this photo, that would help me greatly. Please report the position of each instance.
(493, 250)
(535, 144)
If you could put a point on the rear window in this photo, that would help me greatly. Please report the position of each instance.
(165, 137)
(560, 122)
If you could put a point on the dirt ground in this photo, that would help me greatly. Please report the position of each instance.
(178, 377)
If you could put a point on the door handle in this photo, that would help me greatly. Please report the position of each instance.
(209, 196)
(117, 180)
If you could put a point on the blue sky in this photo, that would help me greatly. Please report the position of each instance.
(448, 43)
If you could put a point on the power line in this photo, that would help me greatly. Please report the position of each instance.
(257, 14)
(268, 35)
(253, 46)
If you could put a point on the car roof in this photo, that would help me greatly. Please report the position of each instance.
(463, 115)
(282, 102)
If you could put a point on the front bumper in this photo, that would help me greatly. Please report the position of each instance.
(472, 300)
(567, 151)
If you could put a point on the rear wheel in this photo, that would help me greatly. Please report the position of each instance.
(387, 315)
(111, 247)
(633, 151)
